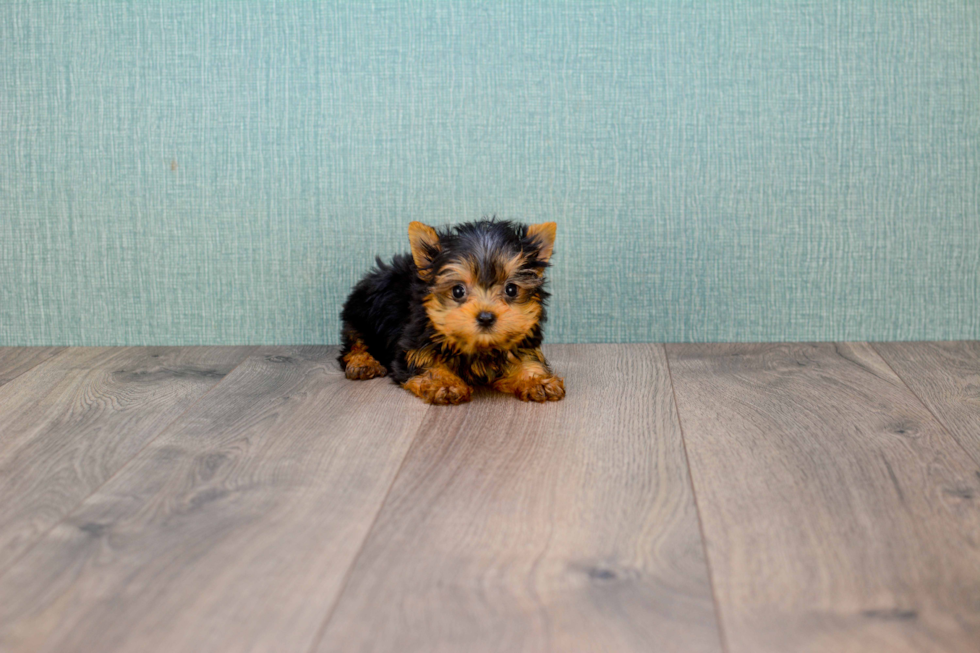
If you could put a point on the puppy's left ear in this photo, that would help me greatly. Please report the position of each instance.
(543, 235)
(425, 246)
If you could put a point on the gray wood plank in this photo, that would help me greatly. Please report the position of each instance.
(565, 527)
(233, 530)
(70, 423)
(838, 514)
(946, 377)
(14, 361)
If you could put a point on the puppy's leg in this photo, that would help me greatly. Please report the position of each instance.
(439, 385)
(357, 360)
(528, 376)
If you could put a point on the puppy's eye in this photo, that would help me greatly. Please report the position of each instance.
(459, 291)
(510, 290)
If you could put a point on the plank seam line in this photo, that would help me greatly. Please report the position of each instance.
(321, 631)
(697, 507)
(941, 423)
(33, 367)
(126, 464)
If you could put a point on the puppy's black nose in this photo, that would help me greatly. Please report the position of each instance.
(486, 318)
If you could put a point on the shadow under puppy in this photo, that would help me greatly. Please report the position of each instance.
(465, 309)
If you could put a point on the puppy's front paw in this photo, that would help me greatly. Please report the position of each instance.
(541, 388)
(363, 366)
(455, 393)
(439, 387)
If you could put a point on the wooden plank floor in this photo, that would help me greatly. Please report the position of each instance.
(566, 526)
(946, 375)
(732, 498)
(74, 420)
(14, 361)
(839, 515)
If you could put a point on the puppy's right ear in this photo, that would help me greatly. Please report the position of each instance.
(425, 246)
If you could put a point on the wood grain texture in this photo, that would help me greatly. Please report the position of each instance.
(561, 527)
(946, 377)
(838, 515)
(233, 530)
(14, 361)
(70, 423)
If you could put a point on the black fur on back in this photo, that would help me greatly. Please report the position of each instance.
(385, 309)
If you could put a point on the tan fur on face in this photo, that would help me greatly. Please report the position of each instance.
(456, 272)
(509, 268)
(455, 321)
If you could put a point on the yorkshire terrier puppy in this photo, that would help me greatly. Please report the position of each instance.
(465, 309)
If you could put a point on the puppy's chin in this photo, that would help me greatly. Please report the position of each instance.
(482, 341)
(488, 340)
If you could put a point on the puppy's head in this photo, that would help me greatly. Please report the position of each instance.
(485, 281)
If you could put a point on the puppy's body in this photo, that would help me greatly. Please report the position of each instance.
(465, 309)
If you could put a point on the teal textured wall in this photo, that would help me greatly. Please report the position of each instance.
(222, 172)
